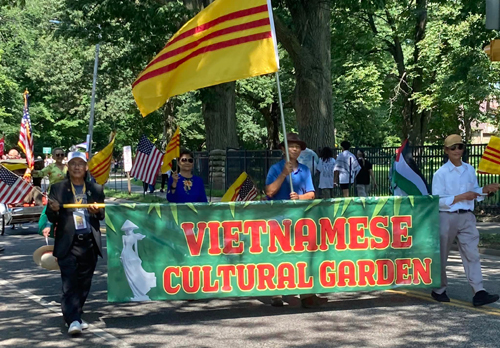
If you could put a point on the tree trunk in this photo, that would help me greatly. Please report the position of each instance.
(219, 113)
(308, 43)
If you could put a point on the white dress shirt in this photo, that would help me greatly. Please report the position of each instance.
(450, 181)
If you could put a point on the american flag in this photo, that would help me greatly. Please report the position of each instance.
(147, 161)
(247, 191)
(13, 188)
(26, 135)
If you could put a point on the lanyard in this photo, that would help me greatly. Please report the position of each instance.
(77, 201)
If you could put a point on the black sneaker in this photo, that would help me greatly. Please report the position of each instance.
(482, 298)
(440, 297)
(277, 302)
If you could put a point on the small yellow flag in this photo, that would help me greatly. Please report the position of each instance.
(490, 162)
(100, 164)
(229, 40)
(172, 151)
(243, 189)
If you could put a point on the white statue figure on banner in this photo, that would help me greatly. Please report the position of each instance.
(139, 280)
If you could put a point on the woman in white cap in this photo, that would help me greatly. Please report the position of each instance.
(456, 185)
(77, 237)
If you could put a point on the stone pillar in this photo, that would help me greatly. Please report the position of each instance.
(217, 165)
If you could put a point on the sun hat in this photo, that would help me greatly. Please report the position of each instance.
(294, 138)
(452, 140)
(76, 154)
(43, 257)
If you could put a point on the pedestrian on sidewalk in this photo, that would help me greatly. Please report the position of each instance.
(365, 174)
(456, 184)
(278, 188)
(326, 164)
(346, 168)
(77, 237)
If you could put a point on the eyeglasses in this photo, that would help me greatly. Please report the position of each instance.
(59, 155)
(184, 159)
(457, 146)
(77, 164)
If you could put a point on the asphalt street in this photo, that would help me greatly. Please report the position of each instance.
(30, 314)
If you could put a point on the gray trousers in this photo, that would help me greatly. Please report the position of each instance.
(463, 227)
(363, 190)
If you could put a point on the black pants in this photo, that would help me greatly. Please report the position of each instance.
(164, 179)
(77, 269)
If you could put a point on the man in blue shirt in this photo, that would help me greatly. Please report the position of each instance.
(278, 178)
(278, 188)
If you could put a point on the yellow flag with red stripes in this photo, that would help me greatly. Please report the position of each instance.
(227, 41)
(172, 151)
(490, 162)
(100, 164)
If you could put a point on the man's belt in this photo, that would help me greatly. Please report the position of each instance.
(460, 211)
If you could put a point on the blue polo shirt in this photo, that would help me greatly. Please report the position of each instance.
(301, 179)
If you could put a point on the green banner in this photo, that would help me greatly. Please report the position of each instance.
(265, 248)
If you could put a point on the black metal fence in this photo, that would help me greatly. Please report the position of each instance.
(428, 158)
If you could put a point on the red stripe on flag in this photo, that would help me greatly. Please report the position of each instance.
(491, 159)
(102, 171)
(488, 153)
(218, 33)
(222, 19)
(210, 48)
(492, 149)
(105, 163)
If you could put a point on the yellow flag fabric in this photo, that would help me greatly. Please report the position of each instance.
(172, 151)
(100, 164)
(227, 41)
(490, 162)
(232, 192)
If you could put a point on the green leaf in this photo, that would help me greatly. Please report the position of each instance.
(347, 201)
(173, 208)
(336, 206)
(130, 206)
(397, 204)
(232, 206)
(191, 205)
(380, 204)
(247, 204)
(412, 200)
(155, 206)
(313, 204)
(109, 223)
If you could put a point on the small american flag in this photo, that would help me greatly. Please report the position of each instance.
(26, 134)
(247, 191)
(13, 188)
(147, 161)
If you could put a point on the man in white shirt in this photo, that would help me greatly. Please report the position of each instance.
(310, 159)
(456, 185)
(346, 168)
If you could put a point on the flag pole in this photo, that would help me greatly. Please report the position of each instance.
(285, 140)
(92, 102)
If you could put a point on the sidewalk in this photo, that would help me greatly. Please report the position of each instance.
(488, 227)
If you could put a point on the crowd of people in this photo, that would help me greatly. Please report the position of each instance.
(77, 233)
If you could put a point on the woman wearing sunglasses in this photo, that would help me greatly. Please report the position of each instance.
(183, 186)
(55, 171)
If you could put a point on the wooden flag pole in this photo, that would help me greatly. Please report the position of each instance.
(285, 140)
(78, 206)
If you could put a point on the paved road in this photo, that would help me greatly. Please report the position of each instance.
(30, 314)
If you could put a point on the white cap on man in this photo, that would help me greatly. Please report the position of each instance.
(77, 154)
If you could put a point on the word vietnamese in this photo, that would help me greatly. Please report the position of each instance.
(289, 276)
(353, 233)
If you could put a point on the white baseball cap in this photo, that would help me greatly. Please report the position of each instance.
(77, 154)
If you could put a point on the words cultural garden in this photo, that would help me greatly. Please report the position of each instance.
(191, 251)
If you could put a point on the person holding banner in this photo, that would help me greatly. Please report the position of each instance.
(183, 186)
(457, 186)
(278, 188)
(77, 237)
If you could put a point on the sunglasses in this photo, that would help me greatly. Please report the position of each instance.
(184, 159)
(59, 155)
(457, 146)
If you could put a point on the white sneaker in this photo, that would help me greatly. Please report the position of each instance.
(84, 325)
(75, 328)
